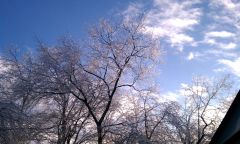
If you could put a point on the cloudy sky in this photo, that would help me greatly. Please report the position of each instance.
(199, 37)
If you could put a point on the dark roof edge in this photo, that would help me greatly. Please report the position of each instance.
(225, 119)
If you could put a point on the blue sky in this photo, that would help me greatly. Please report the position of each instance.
(199, 37)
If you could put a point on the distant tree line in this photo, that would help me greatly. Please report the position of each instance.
(96, 92)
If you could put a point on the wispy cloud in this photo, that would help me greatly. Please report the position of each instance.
(215, 38)
(229, 14)
(169, 96)
(219, 53)
(224, 34)
(228, 46)
(171, 20)
(193, 55)
(177, 22)
(232, 65)
(220, 34)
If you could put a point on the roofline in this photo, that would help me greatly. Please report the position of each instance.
(226, 120)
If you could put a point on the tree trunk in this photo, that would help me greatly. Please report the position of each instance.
(99, 131)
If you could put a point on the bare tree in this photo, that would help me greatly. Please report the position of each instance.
(18, 102)
(117, 57)
(36, 88)
(72, 118)
(122, 51)
(201, 114)
(69, 94)
(73, 94)
(155, 119)
(144, 119)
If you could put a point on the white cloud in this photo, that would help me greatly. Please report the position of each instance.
(219, 70)
(223, 32)
(175, 22)
(228, 4)
(210, 41)
(171, 20)
(180, 38)
(221, 45)
(3, 68)
(232, 65)
(184, 85)
(168, 96)
(192, 55)
(181, 23)
(132, 9)
(220, 34)
(230, 12)
(221, 53)
(228, 46)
